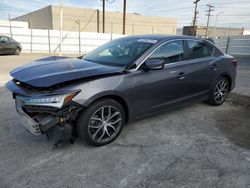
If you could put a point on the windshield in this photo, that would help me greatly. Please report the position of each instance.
(120, 52)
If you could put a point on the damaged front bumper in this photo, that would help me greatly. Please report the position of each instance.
(45, 111)
(31, 125)
(38, 120)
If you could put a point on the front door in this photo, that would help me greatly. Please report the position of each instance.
(155, 89)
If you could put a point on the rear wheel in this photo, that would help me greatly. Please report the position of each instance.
(101, 122)
(219, 91)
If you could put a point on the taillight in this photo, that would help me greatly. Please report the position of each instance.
(234, 62)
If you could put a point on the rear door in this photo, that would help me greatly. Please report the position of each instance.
(202, 66)
(6, 45)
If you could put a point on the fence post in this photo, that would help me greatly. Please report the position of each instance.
(31, 40)
(111, 34)
(49, 41)
(80, 50)
(227, 46)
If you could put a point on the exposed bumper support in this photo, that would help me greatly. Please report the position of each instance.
(44, 122)
(30, 124)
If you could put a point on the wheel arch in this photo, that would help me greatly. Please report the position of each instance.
(227, 76)
(114, 96)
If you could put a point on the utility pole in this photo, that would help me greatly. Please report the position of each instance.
(10, 26)
(215, 24)
(103, 13)
(195, 17)
(103, 16)
(124, 16)
(61, 25)
(98, 20)
(210, 9)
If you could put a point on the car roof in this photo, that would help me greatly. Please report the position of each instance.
(5, 36)
(162, 37)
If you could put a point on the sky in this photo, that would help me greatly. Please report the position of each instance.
(231, 13)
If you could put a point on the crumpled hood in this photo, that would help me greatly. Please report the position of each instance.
(54, 70)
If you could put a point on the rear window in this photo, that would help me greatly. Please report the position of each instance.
(11, 40)
(199, 49)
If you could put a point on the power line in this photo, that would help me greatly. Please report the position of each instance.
(13, 10)
(89, 20)
(165, 10)
(244, 2)
(245, 15)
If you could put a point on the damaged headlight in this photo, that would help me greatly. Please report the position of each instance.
(55, 100)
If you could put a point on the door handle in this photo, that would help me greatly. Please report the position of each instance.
(181, 75)
(214, 67)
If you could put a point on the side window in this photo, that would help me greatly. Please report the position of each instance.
(4, 40)
(199, 49)
(170, 52)
(11, 40)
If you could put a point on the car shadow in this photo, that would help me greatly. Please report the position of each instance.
(7, 54)
(234, 123)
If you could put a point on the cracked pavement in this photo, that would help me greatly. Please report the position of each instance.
(196, 145)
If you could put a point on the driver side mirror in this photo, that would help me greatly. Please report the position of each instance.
(153, 64)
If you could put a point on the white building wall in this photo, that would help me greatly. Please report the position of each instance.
(14, 24)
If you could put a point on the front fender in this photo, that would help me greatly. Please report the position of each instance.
(115, 87)
(103, 94)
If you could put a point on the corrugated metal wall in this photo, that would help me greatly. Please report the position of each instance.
(234, 45)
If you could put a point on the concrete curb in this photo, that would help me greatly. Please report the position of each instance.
(2, 83)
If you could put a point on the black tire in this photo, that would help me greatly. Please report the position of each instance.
(219, 91)
(88, 122)
(17, 51)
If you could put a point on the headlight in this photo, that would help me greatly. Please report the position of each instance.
(52, 100)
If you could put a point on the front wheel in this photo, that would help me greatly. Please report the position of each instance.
(219, 91)
(101, 122)
(17, 51)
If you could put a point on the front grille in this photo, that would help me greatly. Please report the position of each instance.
(40, 109)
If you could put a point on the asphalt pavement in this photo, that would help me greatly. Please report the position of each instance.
(196, 145)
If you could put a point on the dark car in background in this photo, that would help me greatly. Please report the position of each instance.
(9, 46)
(124, 80)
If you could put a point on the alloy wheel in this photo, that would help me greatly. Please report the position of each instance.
(17, 51)
(105, 124)
(221, 90)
